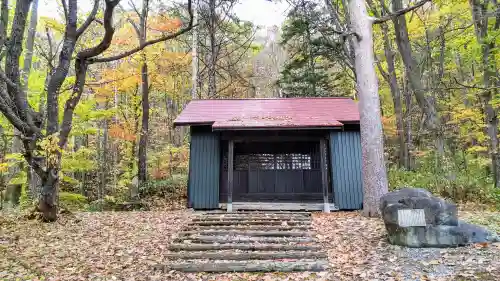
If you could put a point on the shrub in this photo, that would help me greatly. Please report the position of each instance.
(173, 187)
(72, 201)
(460, 180)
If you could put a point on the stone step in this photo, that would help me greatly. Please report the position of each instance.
(253, 241)
(247, 218)
(246, 227)
(247, 266)
(247, 255)
(243, 212)
(241, 239)
(241, 246)
(251, 222)
(247, 233)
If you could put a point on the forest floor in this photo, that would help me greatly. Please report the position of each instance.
(128, 245)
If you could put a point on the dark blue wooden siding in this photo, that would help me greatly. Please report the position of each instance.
(204, 167)
(345, 155)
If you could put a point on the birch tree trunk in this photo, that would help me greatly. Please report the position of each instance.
(374, 171)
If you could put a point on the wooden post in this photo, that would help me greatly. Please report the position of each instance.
(324, 175)
(230, 169)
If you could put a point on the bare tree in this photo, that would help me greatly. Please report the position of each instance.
(222, 45)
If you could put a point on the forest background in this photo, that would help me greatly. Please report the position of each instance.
(437, 68)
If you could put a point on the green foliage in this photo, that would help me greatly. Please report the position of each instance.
(79, 161)
(460, 180)
(19, 178)
(108, 203)
(173, 187)
(25, 202)
(72, 201)
(315, 66)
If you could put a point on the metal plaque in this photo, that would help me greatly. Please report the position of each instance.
(411, 217)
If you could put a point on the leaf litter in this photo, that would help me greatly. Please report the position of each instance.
(130, 245)
(358, 250)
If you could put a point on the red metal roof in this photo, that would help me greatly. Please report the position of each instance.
(269, 113)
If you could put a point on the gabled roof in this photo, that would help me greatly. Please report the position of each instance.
(234, 114)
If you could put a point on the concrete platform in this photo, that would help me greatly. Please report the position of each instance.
(277, 206)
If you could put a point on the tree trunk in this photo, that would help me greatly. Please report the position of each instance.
(194, 77)
(392, 80)
(13, 52)
(481, 26)
(212, 87)
(34, 181)
(374, 171)
(428, 107)
(30, 42)
(408, 137)
(143, 141)
(461, 74)
(47, 203)
(14, 190)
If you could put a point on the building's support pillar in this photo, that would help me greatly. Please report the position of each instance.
(230, 169)
(324, 174)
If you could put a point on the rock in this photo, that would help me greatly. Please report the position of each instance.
(414, 217)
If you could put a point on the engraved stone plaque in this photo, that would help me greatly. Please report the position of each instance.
(411, 217)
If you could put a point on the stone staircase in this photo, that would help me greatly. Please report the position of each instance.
(247, 242)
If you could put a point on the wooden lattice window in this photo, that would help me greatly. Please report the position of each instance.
(241, 162)
(261, 161)
(305, 157)
(293, 161)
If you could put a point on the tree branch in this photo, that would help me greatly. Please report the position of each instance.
(101, 83)
(81, 66)
(4, 22)
(89, 19)
(474, 86)
(6, 109)
(401, 12)
(134, 25)
(147, 43)
(345, 34)
(12, 59)
(65, 9)
(109, 31)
